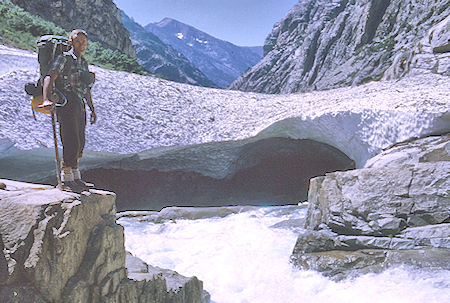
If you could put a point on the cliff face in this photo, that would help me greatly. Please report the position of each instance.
(322, 44)
(100, 18)
(65, 247)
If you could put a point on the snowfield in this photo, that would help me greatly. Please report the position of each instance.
(137, 113)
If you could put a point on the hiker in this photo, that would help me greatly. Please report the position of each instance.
(70, 75)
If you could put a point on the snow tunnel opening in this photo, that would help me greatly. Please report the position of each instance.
(271, 171)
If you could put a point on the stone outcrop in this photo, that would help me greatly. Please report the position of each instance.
(66, 247)
(100, 18)
(371, 218)
(322, 44)
(177, 286)
(428, 149)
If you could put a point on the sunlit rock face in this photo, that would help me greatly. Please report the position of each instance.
(394, 211)
(65, 247)
(100, 18)
(325, 44)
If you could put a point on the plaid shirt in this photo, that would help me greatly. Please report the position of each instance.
(70, 68)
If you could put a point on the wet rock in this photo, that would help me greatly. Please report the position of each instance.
(424, 258)
(364, 242)
(340, 264)
(180, 288)
(337, 263)
(315, 241)
(135, 265)
(437, 236)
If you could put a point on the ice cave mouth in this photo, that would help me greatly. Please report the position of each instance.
(271, 171)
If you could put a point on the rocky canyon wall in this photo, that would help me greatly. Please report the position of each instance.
(323, 44)
(100, 18)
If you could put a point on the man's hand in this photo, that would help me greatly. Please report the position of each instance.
(93, 117)
(47, 104)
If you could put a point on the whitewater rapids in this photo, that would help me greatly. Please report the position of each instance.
(242, 255)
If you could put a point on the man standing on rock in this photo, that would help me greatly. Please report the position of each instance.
(70, 75)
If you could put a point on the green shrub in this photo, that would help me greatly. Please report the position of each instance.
(20, 29)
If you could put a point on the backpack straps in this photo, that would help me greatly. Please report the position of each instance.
(63, 78)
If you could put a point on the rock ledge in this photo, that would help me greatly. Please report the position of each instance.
(65, 247)
(368, 219)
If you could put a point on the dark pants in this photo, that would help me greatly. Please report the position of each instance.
(72, 125)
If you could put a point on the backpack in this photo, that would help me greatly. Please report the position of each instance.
(49, 48)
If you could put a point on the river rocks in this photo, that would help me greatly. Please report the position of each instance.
(66, 247)
(180, 288)
(371, 218)
(380, 201)
(341, 264)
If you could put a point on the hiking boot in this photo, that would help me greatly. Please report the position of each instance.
(72, 186)
(84, 184)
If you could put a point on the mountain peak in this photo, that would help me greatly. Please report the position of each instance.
(170, 23)
(219, 60)
(166, 21)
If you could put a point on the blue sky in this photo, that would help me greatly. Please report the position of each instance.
(242, 22)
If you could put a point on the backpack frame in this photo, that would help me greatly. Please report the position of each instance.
(49, 47)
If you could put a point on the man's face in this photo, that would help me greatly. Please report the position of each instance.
(80, 43)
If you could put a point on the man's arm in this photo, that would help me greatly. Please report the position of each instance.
(47, 87)
(91, 107)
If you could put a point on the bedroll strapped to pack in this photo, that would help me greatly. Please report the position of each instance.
(49, 48)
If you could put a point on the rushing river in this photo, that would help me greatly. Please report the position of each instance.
(242, 255)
